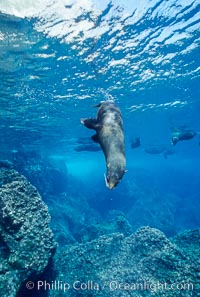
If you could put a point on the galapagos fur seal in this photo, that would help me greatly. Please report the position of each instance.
(110, 135)
(182, 134)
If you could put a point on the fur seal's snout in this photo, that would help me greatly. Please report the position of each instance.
(110, 135)
(112, 180)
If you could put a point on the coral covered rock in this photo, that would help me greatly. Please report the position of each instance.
(118, 224)
(144, 264)
(26, 241)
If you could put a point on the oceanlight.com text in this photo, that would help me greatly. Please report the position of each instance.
(147, 286)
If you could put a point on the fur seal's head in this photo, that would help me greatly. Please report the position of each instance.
(114, 176)
(175, 139)
(112, 181)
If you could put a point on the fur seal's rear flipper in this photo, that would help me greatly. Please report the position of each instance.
(110, 135)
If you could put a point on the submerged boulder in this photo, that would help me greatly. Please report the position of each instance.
(26, 240)
(118, 224)
(145, 263)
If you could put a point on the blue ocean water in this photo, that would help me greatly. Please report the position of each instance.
(57, 60)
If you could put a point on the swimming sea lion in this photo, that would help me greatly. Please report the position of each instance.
(135, 142)
(110, 135)
(158, 150)
(182, 134)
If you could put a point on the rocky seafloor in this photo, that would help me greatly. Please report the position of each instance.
(26, 240)
(77, 254)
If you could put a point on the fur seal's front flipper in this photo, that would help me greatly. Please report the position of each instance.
(97, 105)
(110, 135)
(90, 123)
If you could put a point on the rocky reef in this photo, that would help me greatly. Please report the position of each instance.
(98, 254)
(118, 224)
(145, 263)
(26, 240)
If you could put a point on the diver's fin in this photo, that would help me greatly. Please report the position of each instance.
(90, 123)
(95, 138)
